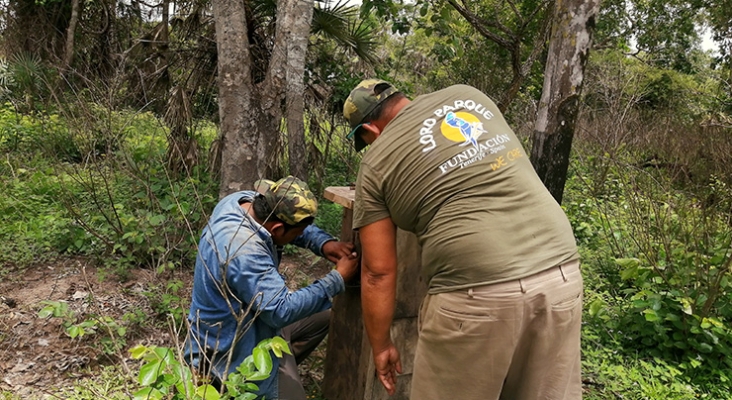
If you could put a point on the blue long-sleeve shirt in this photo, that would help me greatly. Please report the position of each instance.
(237, 267)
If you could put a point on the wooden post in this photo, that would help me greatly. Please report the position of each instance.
(349, 368)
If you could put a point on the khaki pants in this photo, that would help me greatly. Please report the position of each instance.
(517, 340)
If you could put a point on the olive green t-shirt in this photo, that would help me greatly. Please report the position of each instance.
(449, 169)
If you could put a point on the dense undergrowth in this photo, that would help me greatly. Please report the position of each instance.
(652, 221)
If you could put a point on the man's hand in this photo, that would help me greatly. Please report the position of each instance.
(348, 266)
(388, 366)
(334, 251)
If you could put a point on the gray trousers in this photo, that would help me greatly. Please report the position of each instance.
(303, 337)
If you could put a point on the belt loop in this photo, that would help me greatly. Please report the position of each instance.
(521, 284)
(562, 272)
(470, 292)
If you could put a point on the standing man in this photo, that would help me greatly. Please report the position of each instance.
(239, 297)
(502, 316)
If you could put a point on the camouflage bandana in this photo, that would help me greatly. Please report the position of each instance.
(290, 199)
(360, 103)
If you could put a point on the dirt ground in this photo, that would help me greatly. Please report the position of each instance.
(37, 357)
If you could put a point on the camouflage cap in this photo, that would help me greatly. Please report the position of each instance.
(360, 103)
(290, 199)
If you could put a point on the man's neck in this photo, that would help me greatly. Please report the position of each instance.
(249, 210)
(391, 112)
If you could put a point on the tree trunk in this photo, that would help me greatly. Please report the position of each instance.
(569, 47)
(271, 93)
(70, 33)
(251, 114)
(295, 104)
(239, 134)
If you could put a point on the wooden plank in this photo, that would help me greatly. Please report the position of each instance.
(343, 195)
(343, 359)
(349, 370)
(404, 335)
(411, 285)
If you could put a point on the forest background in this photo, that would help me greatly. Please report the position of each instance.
(114, 116)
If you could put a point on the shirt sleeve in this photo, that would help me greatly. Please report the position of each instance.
(253, 278)
(370, 205)
(313, 239)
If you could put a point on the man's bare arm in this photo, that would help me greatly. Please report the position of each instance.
(378, 294)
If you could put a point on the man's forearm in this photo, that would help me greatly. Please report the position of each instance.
(378, 294)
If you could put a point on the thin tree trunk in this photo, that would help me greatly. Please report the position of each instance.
(569, 48)
(70, 33)
(271, 94)
(239, 134)
(295, 104)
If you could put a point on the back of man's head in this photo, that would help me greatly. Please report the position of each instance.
(366, 103)
(288, 200)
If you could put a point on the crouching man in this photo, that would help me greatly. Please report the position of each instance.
(240, 298)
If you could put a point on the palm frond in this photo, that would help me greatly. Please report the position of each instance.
(363, 43)
(27, 71)
(339, 23)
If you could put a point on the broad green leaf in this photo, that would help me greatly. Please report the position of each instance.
(705, 348)
(629, 267)
(251, 387)
(258, 376)
(627, 262)
(207, 392)
(596, 306)
(185, 387)
(280, 343)
(262, 360)
(138, 351)
(149, 373)
(686, 306)
(75, 331)
(46, 312)
(157, 220)
(181, 371)
(170, 380)
(651, 315)
(247, 396)
(277, 351)
(164, 354)
(148, 393)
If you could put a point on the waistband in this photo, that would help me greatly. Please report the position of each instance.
(563, 271)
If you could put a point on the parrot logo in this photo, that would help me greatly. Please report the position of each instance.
(462, 128)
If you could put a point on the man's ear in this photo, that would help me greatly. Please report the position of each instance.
(371, 132)
(371, 128)
(275, 228)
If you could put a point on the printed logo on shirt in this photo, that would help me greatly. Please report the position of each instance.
(462, 127)
(461, 123)
(455, 129)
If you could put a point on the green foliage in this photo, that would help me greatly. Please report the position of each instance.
(168, 302)
(76, 327)
(616, 81)
(612, 376)
(38, 228)
(109, 382)
(657, 262)
(24, 81)
(665, 31)
(162, 375)
(120, 205)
